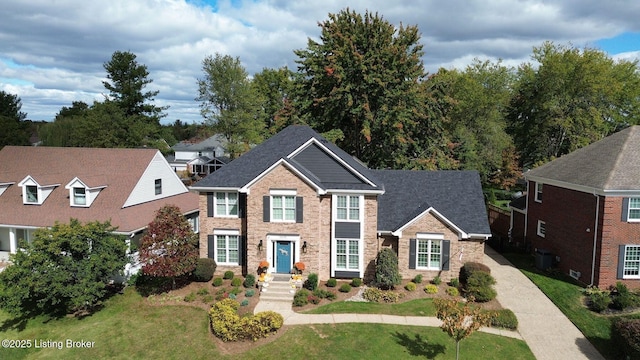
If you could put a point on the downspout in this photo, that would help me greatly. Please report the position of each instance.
(595, 239)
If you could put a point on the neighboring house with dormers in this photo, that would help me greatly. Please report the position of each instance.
(199, 157)
(584, 209)
(42, 185)
(298, 197)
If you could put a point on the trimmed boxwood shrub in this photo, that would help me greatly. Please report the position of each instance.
(470, 267)
(249, 281)
(356, 282)
(345, 288)
(480, 286)
(452, 291)
(431, 289)
(332, 282)
(324, 294)
(236, 282)
(205, 267)
(228, 275)
(217, 282)
(311, 283)
(504, 318)
(411, 286)
(387, 273)
(625, 335)
(417, 279)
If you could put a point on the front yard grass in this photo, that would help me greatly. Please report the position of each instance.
(567, 296)
(128, 327)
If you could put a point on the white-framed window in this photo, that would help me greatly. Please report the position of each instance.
(283, 208)
(158, 186)
(348, 207)
(634, 209)
(428, 254)
(227, 249)
(347, 254)
(538, 192)
(31, 192)
(226, 204)
(542, 228)
(631, 268)
(79, 196)
(194, 222)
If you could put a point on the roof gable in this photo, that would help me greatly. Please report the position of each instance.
(611, 164)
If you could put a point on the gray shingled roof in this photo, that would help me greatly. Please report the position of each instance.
(612, 163)
(247, 167)
(457, 195)
(206, 144)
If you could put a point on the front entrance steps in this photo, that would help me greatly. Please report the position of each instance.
(279, 289)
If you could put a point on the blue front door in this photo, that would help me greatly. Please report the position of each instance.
(283, 257)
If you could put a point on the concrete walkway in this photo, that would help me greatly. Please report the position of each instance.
(547, 332)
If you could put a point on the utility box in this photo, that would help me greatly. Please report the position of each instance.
(544, 259)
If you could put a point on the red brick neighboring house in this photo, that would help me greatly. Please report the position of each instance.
(298, 197)
(42, 185)
(584, 208)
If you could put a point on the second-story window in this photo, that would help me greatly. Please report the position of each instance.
(226, 204)
(32, 193)
(79, 196)
(283, 207)
(348, 207)
(538, 197)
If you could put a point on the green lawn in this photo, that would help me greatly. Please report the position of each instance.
(127, 328)
(567, 296)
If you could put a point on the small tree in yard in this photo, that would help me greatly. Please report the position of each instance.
(65, 269)
(387, 273)
(460, 321)
(169, 247)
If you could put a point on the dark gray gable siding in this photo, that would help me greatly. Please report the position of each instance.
(325, 167)
(347, 230)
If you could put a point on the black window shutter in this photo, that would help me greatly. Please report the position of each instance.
(299, 210)
(241, 249)
(211, 246)
(266, 208)
(446, 249)
(621, 250)
(242, 205)
(412, 253)
(625, 209)
(210, 204)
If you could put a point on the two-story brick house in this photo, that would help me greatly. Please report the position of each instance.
(584, 208)
(297, 197)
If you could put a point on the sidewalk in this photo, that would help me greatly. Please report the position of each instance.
(547, 331)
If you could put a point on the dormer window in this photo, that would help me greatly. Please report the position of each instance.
(80, 194)
(158, 186)
(33, 193)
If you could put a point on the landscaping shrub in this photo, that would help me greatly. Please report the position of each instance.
(417, 279)
(454, 282)
(452, 291)
(625, 336)
(228, 275)
(205, 267)
(377, 295)
(621, 297)
(191, 297)
(387, 273)
(470, 267)
(480, 286)
(301, 297)
(313, 299)
(356, 282)
(233, 296)
(249, 281)
(504, 318)
(207, 299)
(431, 289)
(345, 288)
(236, 290)
(311, 283)
(332, 282)
(324, 294)
(229, 326)
(598, 300)
(236, 282)
(436, 280)
(217, 282)
(245, 302)
(249, 293)
(203, 291)
(411, 286)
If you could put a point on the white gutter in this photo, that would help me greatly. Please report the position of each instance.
(595, 239)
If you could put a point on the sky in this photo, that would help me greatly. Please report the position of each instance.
(52, 51)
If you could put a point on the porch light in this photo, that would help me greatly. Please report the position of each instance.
(260, 245)
(304, 247)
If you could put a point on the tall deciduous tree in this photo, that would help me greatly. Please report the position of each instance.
(169, 247)
(127, 82)
(230, 104)
(363, 77)
(572, 98)
(66, 268)
(276, 91)
(14, 130)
